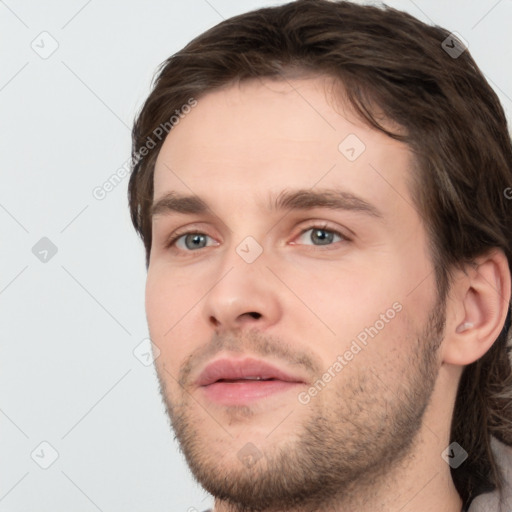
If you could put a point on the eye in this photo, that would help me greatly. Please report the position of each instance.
(189, 241)
(320, 235)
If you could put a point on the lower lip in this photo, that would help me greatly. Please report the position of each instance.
(242, 392)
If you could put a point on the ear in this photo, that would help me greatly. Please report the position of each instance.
(477, 307)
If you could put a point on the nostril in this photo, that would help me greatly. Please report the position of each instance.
(214, 321)
(255, 315)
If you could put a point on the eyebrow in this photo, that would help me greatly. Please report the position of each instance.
(302, 199)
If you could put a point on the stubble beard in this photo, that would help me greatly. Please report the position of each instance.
(350, 442)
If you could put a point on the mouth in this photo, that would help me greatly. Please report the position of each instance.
(231, 381)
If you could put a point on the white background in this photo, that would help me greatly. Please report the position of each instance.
(69, 326)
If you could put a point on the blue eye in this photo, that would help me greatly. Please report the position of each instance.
(315, 235)
(321, 236)
(190, 241)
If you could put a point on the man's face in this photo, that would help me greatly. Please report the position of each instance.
(297, 323)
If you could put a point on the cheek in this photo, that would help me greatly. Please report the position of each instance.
(365, 308)
(166, 311)
(347, 298)
(169, 296)
(157, 299)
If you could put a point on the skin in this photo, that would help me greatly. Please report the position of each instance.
(239, 147)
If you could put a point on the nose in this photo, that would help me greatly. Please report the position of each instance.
(243, 295)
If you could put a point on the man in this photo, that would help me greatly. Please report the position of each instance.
(323, 191)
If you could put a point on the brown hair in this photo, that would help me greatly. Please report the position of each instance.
(392, 67)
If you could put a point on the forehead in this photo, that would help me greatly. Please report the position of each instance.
(268, 135)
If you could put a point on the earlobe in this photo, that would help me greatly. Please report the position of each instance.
(478, 309)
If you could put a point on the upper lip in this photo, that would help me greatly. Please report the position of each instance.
(234, 369)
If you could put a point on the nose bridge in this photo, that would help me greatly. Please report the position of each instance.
(244, 253)
(243, 291)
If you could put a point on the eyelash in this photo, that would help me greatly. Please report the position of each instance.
(171, 242)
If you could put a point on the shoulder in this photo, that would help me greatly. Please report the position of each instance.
(499, 500)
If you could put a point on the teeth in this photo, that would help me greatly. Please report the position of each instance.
(252, 378)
